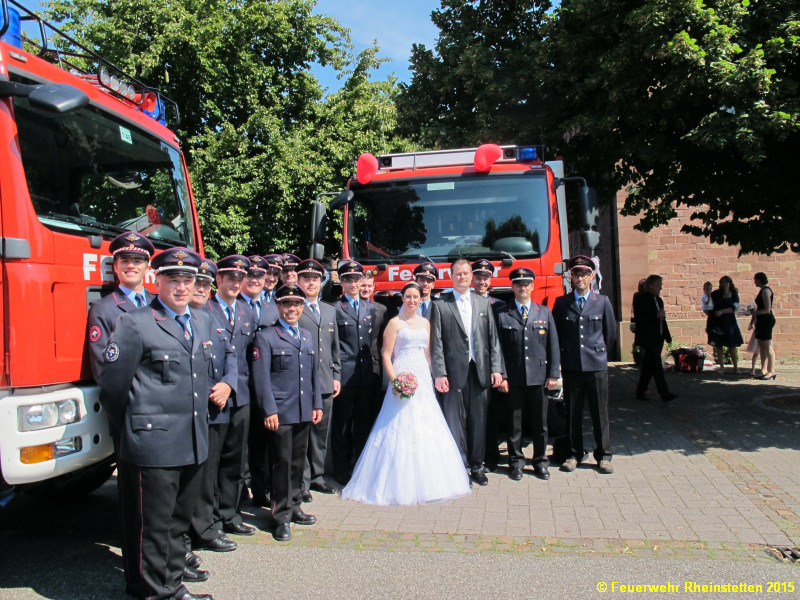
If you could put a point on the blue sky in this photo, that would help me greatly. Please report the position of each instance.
(394, 25)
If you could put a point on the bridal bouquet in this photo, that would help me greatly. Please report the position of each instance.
(404, 385)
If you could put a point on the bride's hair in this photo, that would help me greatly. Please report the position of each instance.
(411, 284)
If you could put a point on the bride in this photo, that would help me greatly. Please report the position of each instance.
(410, 456)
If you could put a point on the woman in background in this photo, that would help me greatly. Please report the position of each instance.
(724, 328)
(764, 320)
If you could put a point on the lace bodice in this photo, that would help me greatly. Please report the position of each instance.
(409, 351)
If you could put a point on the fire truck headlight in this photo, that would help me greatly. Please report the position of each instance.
(52, 414)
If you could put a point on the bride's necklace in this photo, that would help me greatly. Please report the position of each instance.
(410, 320)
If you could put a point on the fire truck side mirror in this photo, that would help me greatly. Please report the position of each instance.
(342, 199)
(590, 212)
(319, 225)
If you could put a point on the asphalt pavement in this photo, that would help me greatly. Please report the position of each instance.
(704, 486)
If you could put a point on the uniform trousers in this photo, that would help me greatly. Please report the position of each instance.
(203, 520)
(496, 425)
(288, 444)
(527, 403)
(351, 422)
(157, 505)
(316, 456)
(652, 367)
(258, 455)
(588, 387)
(230, 473)
(465, 412)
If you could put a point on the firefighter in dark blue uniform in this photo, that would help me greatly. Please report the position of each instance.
(290, 401)
(132, 252)
(530, 349)
(587, 330)
(154, 387)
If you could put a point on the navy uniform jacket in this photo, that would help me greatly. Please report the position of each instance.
(530, 347)
(224, 367)
(285, 375)
(240, 335)
(584, 337)
(154, 387)
(326, 335)
(102, 315)
(269, 312)
(358, 336)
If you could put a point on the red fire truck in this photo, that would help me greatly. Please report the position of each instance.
(85, 154)
(502, 203)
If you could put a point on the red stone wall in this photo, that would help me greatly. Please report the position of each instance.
(686, 262)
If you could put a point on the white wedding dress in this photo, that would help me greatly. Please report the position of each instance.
(410, 456)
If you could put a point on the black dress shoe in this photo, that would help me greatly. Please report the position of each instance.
(491, 465)
(193, 575)
(669, 396)
(541, 472)
(479, 477)
(219, 544)
(323, 488)
(306, 497)
(282, 533)
(193, 560)
(190, 596)
(515, 473)
(302, 518)
(239, 528)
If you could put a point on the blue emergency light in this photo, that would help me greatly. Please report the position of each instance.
(527, 153)
(12, 28)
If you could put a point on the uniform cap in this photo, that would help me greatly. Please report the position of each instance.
(233, 264)
(521, 275)
(274, 262)
(350, 267)
(258, 266)
(290, 261)
(483, 266)
(207, 269)
(132, 243)
(580, 262)
(290, 291)
(176, 261)
(426, 269)
(310, 267)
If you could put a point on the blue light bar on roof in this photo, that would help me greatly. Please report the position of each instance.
(13, 34)
(527, 153)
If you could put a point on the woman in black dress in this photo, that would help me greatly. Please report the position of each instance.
(764, 321)
(724, 328)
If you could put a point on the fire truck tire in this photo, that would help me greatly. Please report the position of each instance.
(64, 489)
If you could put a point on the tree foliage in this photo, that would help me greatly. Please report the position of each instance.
(262, 138)
(680, 102)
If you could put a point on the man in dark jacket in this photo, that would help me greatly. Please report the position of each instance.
(587, 330)
(651, 333)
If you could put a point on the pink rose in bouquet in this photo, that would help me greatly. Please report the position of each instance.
(404, 385)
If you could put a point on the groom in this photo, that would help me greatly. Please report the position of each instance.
(466, 365)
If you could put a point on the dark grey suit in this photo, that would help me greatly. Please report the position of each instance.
(326, 335)
(465, 404)
(154, 387)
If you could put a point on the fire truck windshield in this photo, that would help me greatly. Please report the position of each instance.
(471, 216)
(90, 173)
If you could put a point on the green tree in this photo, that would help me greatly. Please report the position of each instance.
(482, 83)
(680, 102)
(262, 139)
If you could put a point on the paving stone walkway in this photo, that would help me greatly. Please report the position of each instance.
(715, 473)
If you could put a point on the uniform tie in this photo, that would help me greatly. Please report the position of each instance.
(524, 312)
(140, 301)
(315, 311)
(581, 302)
(229, 312)
(355, 306)
(257, 304)
(183, 321)
(295, 333)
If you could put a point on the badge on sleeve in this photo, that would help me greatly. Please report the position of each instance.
(112, 352)
(95, 333)
(256, 354)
